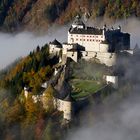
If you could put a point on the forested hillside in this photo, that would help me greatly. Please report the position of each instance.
(39, 14)
(21, 117)
(32, 70)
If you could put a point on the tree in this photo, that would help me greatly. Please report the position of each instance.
(51, 12)
(15, 113)
(48, 99)
(38, 49)
(48, 134)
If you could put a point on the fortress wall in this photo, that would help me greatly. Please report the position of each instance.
(53, 49)
(65, 106)
(105, 58)
(67, 46)
(90, 42)
(88, 54)
(104, 47)
(91, 46)
(72, 55)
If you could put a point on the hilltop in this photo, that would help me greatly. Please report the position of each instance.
(20, 116)
(40, 14)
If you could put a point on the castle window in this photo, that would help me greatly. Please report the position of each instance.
(83, 39)
(87, 40)
(80, 39)
(96, 36)
(93, 39)
(90, 40)
(76, 39)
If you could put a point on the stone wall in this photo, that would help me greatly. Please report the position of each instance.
(107, 58)
(65, 106)
(73, 55)
(53, 49)
(90, 42)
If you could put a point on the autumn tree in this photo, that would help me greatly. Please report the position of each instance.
(48, 99)
(15, 113)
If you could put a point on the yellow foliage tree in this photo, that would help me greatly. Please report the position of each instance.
(48, 99)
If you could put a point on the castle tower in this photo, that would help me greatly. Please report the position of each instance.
(55, 47)
(78, 23)
(68, 107)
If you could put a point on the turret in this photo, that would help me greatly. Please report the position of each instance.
(78, 23)
(55, 47)
(68, 107)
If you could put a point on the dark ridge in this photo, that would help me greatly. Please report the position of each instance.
(27, 9)
(4, 8)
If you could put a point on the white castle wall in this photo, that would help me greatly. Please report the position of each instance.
(107, 58)
(112, 79)
(54, 49)
(66, 47)
(104, 47)
(65, 106)
(73, 55)
(90, 42)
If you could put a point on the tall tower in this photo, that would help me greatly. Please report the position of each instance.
(78, 23)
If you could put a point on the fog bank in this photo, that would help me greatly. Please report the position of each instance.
(13, 46)
(111, 121)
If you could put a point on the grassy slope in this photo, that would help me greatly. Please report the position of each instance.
(82, 88)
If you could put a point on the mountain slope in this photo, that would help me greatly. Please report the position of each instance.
(39, 14)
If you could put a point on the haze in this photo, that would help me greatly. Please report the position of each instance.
(118, 116)
(13, 46)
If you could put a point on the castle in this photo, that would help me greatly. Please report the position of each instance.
(88, 43)
(84, 42)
